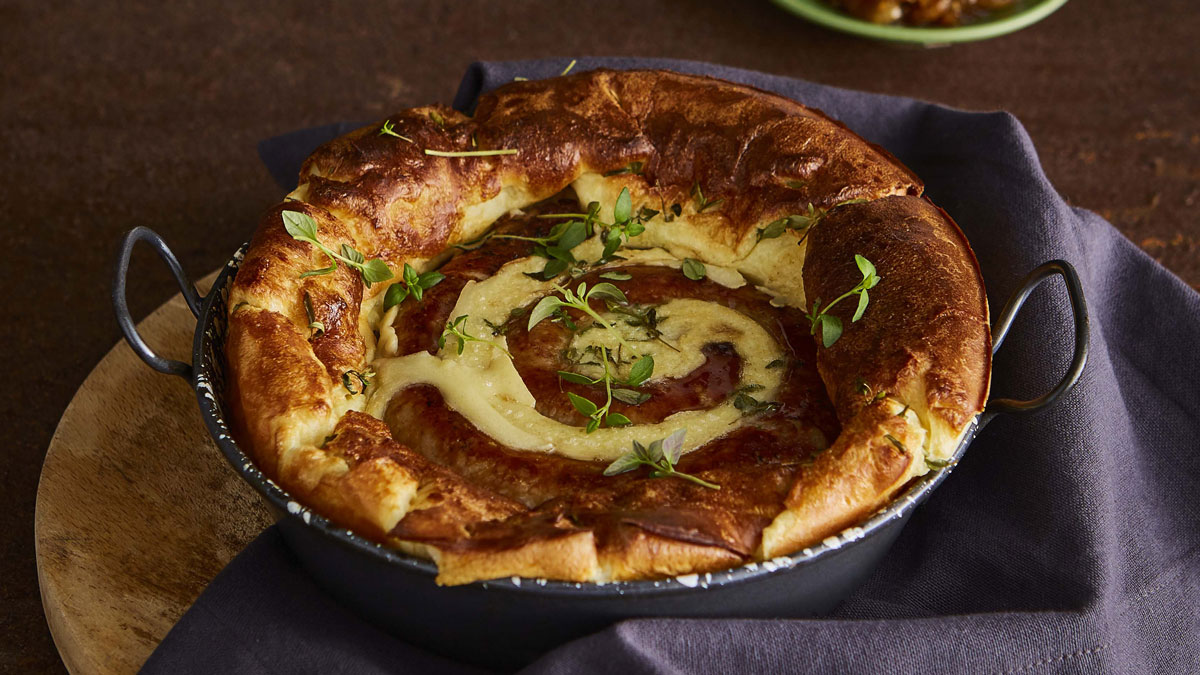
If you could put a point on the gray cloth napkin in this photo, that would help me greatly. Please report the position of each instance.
(1067, 540)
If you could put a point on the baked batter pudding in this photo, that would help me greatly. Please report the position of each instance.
(616, 325)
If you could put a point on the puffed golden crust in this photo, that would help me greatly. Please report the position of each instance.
(924, 344)
(926, 338)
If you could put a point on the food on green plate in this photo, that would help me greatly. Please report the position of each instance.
(922, 12)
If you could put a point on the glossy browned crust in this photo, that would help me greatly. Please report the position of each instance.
(738, 143)
(921, 351)
(764, 155)
(925, 335)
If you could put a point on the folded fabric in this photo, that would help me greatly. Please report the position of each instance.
(1066, 540)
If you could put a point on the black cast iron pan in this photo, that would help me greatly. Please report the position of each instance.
(510, 622)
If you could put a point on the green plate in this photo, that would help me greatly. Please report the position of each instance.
(1002, 22)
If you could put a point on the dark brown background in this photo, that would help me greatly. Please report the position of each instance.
(147, 115)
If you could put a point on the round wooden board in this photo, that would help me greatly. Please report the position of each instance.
(137, 510)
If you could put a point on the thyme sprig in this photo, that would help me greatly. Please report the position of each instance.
(389, 129)
(645, 318)
(556, 246)
(457, 329)
(661, 456)
(580, 299)
(641, 371)
(471, 153)
(303, 227)
(800, 222)
(831, 326)
(749, 405)
(626, 224)
(412, 284)
(702, 202)
(869, 395)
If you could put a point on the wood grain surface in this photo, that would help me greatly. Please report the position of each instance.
(137, 509)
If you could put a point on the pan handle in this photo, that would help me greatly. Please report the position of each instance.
(1004, 323)
(190, 295)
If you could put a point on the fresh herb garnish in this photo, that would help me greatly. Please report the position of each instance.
(303, 227)
(411, 284)
(579, 299)
(457, 328)
(749, 405)
(357, 382)
(497, 328)
(568, 68)
(693, 269)
(437, 118)
(869, 394)
(703, 203)
(634, 168)
(937, 463)
(630, 397)
(641, 371)
(316, 328)
(645, 318)
(389, 129)
(831, 326)
(472, 153)
(800, 222)
(661, 457)
(626, 224)
(556, 246)
(777, 363)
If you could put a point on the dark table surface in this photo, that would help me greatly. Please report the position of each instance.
(148, 114)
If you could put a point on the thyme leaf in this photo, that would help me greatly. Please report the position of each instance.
(800, 222)
(702, 202)
(412, 284)
(661, 456)
(831, 326)
(633, 168)
(579, 299)
(457, 329)
(601, 414)
(749, 405)
(389, 129)
(694, 269)
(303, 227)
